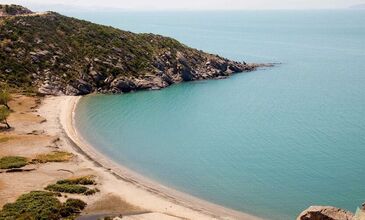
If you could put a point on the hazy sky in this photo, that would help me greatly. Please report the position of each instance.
(187, 4)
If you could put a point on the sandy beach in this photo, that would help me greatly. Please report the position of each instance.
(49, 125)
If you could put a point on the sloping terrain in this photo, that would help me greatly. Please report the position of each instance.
(55, 54)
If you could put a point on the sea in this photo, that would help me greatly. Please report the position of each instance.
(270, 142)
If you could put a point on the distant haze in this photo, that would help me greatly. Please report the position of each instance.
(359, 6)
(185, 4)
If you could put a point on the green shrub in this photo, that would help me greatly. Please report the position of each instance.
(91, 192)
(67, 188)
(5, 96)
(72, 206)
(74, 185)
(34, 205)
(10, 162)
(86, 180)
(4, 114)
(40, 205)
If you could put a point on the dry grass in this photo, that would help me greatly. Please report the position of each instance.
(22, 110)
(111, 203)
(25, 145)
(4, 138)
(55, 156)
(1, 186)
(21, 103)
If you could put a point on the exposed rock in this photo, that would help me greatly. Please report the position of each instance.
(8, 49)
(77, 87)
(109, 79)
(123, 84)
(325, 213)
(70, 90)
(159, 64)
(186, 73)
(220, 65)
(51, 89)
(234, 68)
(144, 84)
(96, 76)
(165, 77)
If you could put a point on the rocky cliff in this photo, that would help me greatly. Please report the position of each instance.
(325, 213)
(331, 213)
(55, 54)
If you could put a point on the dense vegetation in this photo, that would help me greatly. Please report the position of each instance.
(67, 188)
(85, 180)
(74, 186)
(10, 162)
(41, 205)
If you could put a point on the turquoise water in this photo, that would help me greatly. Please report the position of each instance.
(270, 142)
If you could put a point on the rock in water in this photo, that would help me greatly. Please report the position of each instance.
(325, 213)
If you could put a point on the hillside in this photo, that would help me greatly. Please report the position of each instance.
(10, 10)
(54, 54)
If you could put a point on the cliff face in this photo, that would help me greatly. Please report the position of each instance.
(331, 213)
(325, 213)
(55, 54)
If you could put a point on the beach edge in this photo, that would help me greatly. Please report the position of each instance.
(191, 207)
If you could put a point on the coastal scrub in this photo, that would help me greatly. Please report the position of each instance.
(55, 156)
(4, 114)
(10, 162)
(85, 180)
(74, 186)
(67, 188)
(41, 205)
(72, 207)
(5, 97)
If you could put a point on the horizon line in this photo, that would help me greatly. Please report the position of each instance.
(62, 7)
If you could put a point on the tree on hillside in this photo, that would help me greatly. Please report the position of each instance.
(4, 97)
(4, 113)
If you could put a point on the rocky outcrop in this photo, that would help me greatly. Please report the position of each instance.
(325, 213)
(55, 54)
(360, 213)
(11, 10)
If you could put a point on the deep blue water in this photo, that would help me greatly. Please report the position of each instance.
(270, 142)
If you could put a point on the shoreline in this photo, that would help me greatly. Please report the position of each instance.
(137, 189)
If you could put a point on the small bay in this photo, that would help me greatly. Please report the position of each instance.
(270, 142)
